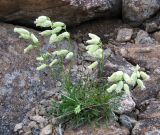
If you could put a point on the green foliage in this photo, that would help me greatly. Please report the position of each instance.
(89, 100)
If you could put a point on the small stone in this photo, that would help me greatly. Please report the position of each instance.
(38, 119)
(126, 104)
(127, 121)
(151, 27)
(58, 84)
(18, 127)
(32, 124)
(47, 130)
(144, 39)
(124, 35)
(156, 35)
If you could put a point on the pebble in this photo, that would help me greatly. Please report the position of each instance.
(38, 119)
(47, 130)
(18, 127)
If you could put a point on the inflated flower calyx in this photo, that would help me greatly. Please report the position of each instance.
(46, 33)
(98, 53)
(144, 75)
(77, 109)
(138, 74)
(62, 52)
(92, 48)
(43, 66)
(134, 78)
(93, 65)
(126, 88)
(93, 41)
(65, 35)
(40, 59)
(112, 88)
(140, 84)
(28, 48)
(56, 30)
(41, 19)
(137, 68)
(127, 78)
(34, 39)
(69, 56)
(53, 62)
(25, 34)
(53, 39)
(117, 76)
(93, 36)
(58, 24)
(119, 86)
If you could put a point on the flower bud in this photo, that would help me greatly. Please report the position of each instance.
(43, 66)
(140, 84)
(21, 31)
(39, 58)
(58, 24)
(69, 56)
(41, 19)
(34, 39)
(93, 41)
(144, 75)
(46, 33)
(93, 36)
(25, 36)
(134, 78)
(138, 74)
(53, 62)
(28, 48)
(62, 52)
(56, 30)
(66, 35)
(47, 23)
(119, 87)
(112, 88)
(137, 67)
(117, 76)
(53, 39)
(92, 48)
(126, 88)
(93, 65)
(127, 78)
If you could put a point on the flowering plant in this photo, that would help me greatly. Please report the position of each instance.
(84, 102)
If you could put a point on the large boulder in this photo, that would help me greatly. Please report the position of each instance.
(68, 11)
(20, 84)
(137, 11)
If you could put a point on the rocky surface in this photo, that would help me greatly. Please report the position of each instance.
(68, 11)
(21, 86)
(137, 11)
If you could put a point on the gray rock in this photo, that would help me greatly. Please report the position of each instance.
(38, 119)
(144, 38)
(151, 27)
(124, 35)
(127, 121)
(68, 11)
(126, 104)
(137, 11)
(156, 36)
(18, 127)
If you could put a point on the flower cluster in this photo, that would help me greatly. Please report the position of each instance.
(57, 27)
(121, 80)
(94, 49)
(25, 34)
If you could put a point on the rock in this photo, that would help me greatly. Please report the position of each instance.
(18, 127)
(126, 104)
(151, 27)
(47, 130)
(32, 124)
(124, 35)
(144, 38)
(137, 11)
(156, 35)
(111, 129)
(38, 119)
(147, 127)
(20, 85)
(146, 56)
(68, 11)
(127, 121)
(152, 111)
